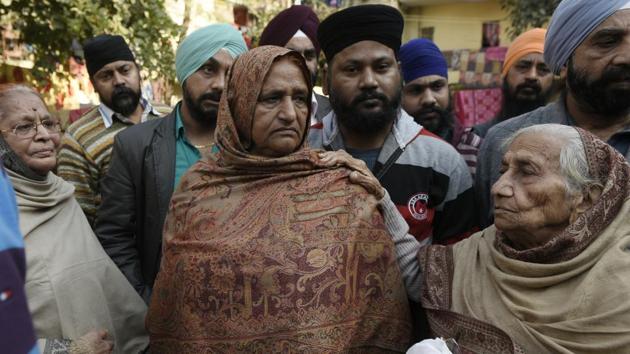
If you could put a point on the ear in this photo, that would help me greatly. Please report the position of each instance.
(585, 201)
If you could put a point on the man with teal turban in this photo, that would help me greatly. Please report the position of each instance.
(590, 39)
(148, 161)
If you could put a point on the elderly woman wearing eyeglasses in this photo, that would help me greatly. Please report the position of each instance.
(79, 300)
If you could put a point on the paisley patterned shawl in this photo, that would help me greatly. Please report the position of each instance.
(568, 296)
(269, 255)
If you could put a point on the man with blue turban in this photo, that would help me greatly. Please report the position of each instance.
(426, 97)
(591, 40)
(149, 160)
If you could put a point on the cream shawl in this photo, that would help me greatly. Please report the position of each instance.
(571, 295)
(71, 284)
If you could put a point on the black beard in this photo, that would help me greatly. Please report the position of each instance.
(512, 106)
(368, 124)
(442, 126)
(124, 100)
(596, 96)
(205, 116)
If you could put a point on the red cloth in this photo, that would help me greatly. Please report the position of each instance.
(75, 114)
(477, 106)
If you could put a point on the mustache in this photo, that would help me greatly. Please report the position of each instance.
(123, 91)
(214, 96)
(616, 74)
(369, 95)
(431, 110)
(530, 85)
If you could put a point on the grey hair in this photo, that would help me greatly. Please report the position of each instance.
(573, 162)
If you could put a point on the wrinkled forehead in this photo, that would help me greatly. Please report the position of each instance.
(542, 148)
(16, 105)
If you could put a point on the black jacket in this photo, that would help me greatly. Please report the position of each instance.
(135, 196)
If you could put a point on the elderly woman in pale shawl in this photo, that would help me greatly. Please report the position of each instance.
(552, 275)
(79, 300)
(266, 250)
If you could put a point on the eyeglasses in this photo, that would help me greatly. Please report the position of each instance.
(29, 130)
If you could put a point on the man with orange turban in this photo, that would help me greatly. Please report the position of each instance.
(527, 80)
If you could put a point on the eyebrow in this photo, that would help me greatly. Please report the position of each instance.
(605, 32)
(210, 62)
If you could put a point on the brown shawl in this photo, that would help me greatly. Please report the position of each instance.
(568, 296)
(273, 254)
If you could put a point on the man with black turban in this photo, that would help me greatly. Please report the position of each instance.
(426, 178)
(591, 39)
(87, 145)
(296, 28)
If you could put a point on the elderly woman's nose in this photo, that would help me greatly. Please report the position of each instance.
(287, 110)
(503, 187)
(41, 133)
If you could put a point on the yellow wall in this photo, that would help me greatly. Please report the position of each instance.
(457, 25)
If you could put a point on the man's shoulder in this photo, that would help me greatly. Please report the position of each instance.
(161, 108)
(428, 150)
(542, 115)
(90, 119)
(142, 133)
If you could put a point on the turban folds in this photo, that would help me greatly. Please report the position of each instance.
(379, 23)
(104, 49)
(532, 41)
(203, 44)
(421, 57)
(571, 23)
(281, 28)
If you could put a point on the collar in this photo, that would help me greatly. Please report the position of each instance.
(404, 130)
(314, 106)
(180, 131)
(108, 114)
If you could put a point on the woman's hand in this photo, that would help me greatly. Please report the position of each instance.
(93, 342)
(360, 174)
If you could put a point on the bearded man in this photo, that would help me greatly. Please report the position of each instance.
(527, 80)
(593, 43)
(149, 159)
(427, 98)
(426, 178)
(87, 145)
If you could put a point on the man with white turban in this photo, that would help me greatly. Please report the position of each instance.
(149, 160)
(591, 39)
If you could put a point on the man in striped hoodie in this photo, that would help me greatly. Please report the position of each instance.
(425, 177)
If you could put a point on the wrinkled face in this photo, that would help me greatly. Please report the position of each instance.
(598, 73)
(202, 90)
(281, 111)
(118, 86)
(531, 200)
(529, 79)
(426, 99)
(20, 110)
(305, 47)
(365, 86)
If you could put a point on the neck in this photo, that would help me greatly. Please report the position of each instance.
(136, 116)
(363, 141)
(198, 133)
(602, 126)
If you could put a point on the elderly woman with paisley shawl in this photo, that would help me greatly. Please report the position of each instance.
(270, 247)
(552, 275)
